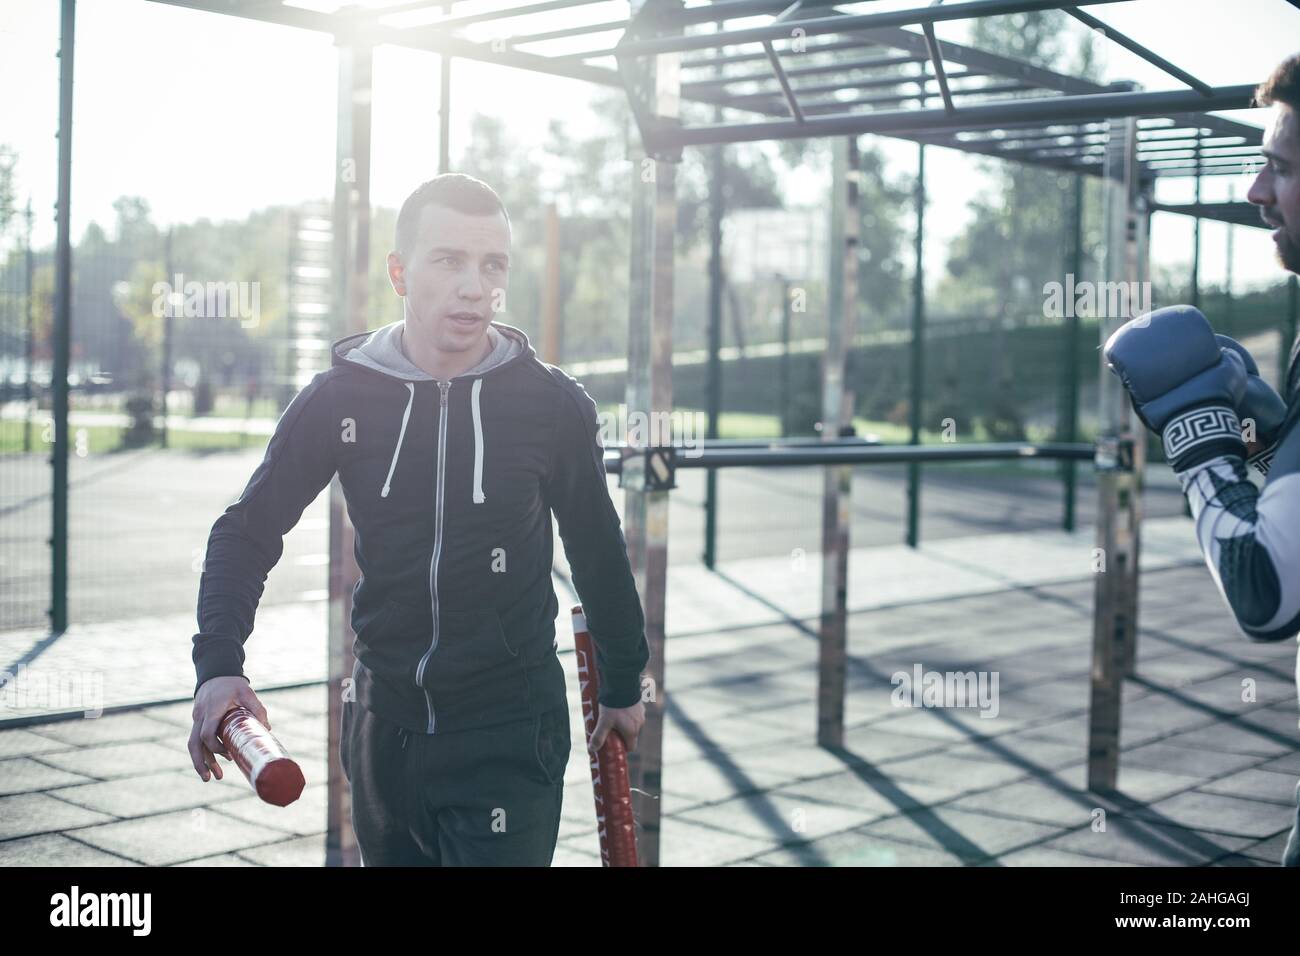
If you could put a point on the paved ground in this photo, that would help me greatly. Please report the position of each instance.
(1208, 777)
(103, 666)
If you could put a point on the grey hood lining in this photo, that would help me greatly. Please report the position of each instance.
(382, 351)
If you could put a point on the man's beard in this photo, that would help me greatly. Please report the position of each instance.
(1288, 252)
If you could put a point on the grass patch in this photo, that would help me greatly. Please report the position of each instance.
(107, 439)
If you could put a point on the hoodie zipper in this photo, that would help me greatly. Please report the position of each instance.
(437, 547)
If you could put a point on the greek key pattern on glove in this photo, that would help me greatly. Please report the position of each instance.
(1199, 426)
(1261, 461)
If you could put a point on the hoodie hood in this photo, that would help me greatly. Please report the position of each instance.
(381, 350)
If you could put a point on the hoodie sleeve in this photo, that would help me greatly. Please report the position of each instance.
(576, 490)
(247, 539)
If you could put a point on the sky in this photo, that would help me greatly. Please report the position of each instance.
(213, 116)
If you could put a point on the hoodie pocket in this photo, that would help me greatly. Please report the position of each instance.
(391, 639)
(472, 665)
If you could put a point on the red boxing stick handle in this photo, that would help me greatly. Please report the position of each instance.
(615, 821)
(260, 757)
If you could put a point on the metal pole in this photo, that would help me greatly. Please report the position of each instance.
(1120, 458)
(713, 372)
(351, 254)
(649, 392)
(917, 349)
(1196, 232)
(62, 328)
(1139, 270)
(165, 372)
(1070, 425)
(1227, 279)
(551, 290)
(30, 347)
(444, 108)
(785, 356)
(837, 411)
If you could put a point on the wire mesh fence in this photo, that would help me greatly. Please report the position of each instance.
(25, 433)
(187, 344)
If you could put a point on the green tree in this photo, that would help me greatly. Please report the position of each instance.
(8, 160)
(1018, 237)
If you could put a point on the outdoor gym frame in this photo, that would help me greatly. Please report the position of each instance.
(1003, 108)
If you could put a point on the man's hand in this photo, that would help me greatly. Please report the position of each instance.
(213, 701)
(1261, 406)
(626, 720)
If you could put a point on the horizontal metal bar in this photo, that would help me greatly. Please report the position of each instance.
(591, 28)
(1044, 109)
(1217, 124)
(819, 26)
(739, 98)
(900, 39)
(853, 452)
(1097, 138)
(1099, 149)
(1189, 172)
(931, 139)
(505, 13)
(1004, 66)
(1179, 135)
(830, 105)
(348, 31)
(395, 8)
(801, 71)
(1205, 152)
(1211, 161)
(710, 62)
(713, 63)
(1148, 133)
(733, 10)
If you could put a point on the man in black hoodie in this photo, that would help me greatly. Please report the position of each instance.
(453, 444)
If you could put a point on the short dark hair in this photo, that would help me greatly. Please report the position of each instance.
(1282, 86)
(455, 191)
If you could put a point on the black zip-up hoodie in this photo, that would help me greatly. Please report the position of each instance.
(450, 488)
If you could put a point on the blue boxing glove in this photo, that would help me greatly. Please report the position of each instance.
(1183, 384)
(1261, 405)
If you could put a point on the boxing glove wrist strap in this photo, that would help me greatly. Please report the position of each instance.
(1201, 433)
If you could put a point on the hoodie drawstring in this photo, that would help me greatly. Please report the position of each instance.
(406, 417)
(478, 441)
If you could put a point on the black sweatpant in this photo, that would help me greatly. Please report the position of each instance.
(482, 797)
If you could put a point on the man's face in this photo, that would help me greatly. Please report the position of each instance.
(1276, 190)
(454, 276)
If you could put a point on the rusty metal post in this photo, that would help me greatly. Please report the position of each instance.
(1120, 458)
(1139, 265)
(552, 333)
(351, 237)
(837, 412)
(656, 84)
